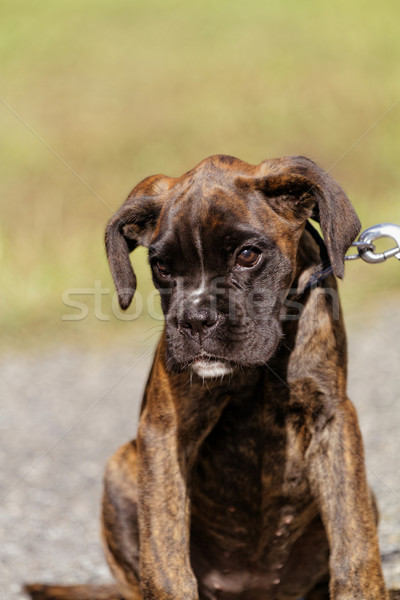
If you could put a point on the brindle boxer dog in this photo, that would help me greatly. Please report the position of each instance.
(247, 478)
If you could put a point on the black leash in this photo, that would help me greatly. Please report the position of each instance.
(318, 239)
(323, 270)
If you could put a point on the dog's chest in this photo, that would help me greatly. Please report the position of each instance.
(250, 495)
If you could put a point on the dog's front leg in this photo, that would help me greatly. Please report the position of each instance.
(165, 572)
(337, 476)
(171, 430)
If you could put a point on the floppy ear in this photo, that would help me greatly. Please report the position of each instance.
(131, 226)
(298, 189)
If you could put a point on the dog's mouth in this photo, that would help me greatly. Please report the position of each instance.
(207, 366)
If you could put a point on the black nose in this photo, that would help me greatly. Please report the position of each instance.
(197, 320)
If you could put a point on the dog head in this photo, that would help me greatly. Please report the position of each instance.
(223, 246)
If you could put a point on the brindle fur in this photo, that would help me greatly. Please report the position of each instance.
(250, 486)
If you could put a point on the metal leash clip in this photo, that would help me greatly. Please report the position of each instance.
(365, 243)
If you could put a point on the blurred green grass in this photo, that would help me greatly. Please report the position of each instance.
(122, 89)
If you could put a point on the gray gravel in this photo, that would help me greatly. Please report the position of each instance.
(64, 412)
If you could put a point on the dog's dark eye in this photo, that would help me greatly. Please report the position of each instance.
(162, 268)
(248, 257)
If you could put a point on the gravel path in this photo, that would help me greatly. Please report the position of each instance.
(63, 413)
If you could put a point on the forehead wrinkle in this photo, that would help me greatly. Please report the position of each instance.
(206, 212)
(181, 225)
(197, 213)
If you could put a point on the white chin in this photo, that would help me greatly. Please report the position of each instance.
(210, 368)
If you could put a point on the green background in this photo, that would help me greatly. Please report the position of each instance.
(96, 95)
